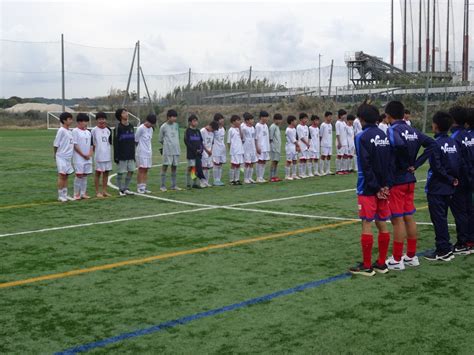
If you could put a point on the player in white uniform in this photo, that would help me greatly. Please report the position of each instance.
(262, 145)
(218, 150)
(82, 157)
(314, 144)
(357, 126)
(236, 149)
(143, 138)
(292, 149)
(207, 134)
(302, 132)
(250, 149)
(325, 136)
(275, 146)
(350, 143)
(384, 124)
(63, 147)
(102, 141)
(341, 143)
(407, 116)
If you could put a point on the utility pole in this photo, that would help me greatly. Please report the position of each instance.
(433, 50)
(189, 79)
(147, 92)
(330, 78)
(129, 76)
(392, 45)
(427, 84)
(465, 47)
(319, 74)
(419, 36)
(405, 36)
(62, 74)
(428, 36)
(447, 39)
(250, 86)
(138, 79)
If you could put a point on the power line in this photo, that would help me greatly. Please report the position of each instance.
(30, 42)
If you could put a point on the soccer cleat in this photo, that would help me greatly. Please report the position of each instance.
(163, 189)
(317, 173)
(69, 198)
(261, 181)
(218, 183)
(252, 181)
(233, 183)
(277, 179)
(141, 192)
(99, 195)
(121, 193)
(238, 182)
(106, 194)
(128, 192)
(359, 269)
(380, 268)
(147, 191)
(77, 197)
(437, 256)
(310, 175)
(461, 249)
(410, 261)
(289, 178)
(196, 186)
(176, 188)
(203, 185)
(62, 199)
(85, 197)
(296, 177)
(340, 173)
(247, 181)
(392, 264)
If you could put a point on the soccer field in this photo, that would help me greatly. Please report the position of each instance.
(236, 269)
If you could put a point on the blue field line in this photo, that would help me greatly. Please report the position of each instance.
(210, 313)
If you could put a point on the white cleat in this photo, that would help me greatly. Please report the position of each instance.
(163, 189)
(261, 181)
(296, 177)
(62, 199)
(247, 181)
(310, 175)
(69, 198)
(317, 174)
(289, 178)
(411, 261)
(392, 264)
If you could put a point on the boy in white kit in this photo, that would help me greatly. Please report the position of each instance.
(236, 150)
(143, 137)
(314, 144)
(325, 136)
(302, 132)
(207, 134)
(63, 147)
(102, 141)
(341, 142)
(292, 149)
(350, 143)
(250, 149)
(275, 146)
(219, 157)
(262, 145)
(83, 151)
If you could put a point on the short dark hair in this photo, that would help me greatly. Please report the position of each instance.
(64, 116)
(100, 114)
(383, 116)
(214, 125)
(82, 117)
(470, 117)
(151, 118)
(234, 118)
(247, 116)
(395, 109)
(350, 117)
(407, 112)
(303, 115)
(277, 116)
(327, 113)
(443, 120)
(171, 113)
(191, 118)
(341, 113)
(314, 118)
(118, 113)
(218, 117)
(290, 119)
(458, 114)
(368, 113)
(263, 114)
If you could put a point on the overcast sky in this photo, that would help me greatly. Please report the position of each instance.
(214, 37)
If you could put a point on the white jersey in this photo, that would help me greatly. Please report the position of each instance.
(207, 140)
(235, 141)
(357, 127)
(408, 122)
(81, 138)
(302, 131)
(263, 138)
(64, 143)
(101, 139)
(290, 134)
(383, 127)
(248, 133)
(350, 136)
(325, 134)
(143, 137)
(341, 132)
(218, 147)
(314, 142)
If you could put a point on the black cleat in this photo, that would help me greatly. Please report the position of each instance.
(359, 269)
(439, 256)
(461, 249)
(380, 268)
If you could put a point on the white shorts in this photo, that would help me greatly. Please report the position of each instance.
(313, 155)
(291, 156)
(171, 160)
(64, 166)
(326, 151)
(250, 158)
(125, 166)
(275, 156)
(351, 151)
(191, 163)
(219, 159)
(237, 159)
(103, 166)
(264, 156)
(343, 150)
(207, 162)
(304, 154)
(83, 167)
(144, 162)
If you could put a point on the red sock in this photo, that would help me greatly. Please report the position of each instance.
(367, 242)
(411, 247)
(397, 250)
(384, 241)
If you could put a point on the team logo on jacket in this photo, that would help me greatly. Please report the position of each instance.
(468, 142)
(447, 149)
(377, 141)
(409, 136)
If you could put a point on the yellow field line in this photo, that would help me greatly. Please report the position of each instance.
(171, 255)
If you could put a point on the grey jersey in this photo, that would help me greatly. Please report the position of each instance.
(169, 137)
(275, 138)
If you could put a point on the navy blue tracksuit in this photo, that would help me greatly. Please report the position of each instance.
(445, 164)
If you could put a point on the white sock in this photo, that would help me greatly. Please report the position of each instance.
(316, 167)
(64, 192)
(237, 174)
(206, 174)
(251, 172)
(309, 168)
(77, 186)
(84, 186)
(60, 193)
(215, 173)
(293, 169)
(287, 171)
(328, 166)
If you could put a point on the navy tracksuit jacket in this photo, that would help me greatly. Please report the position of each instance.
(445, 166)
